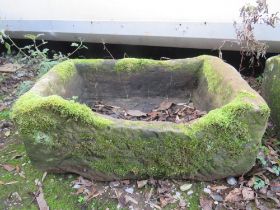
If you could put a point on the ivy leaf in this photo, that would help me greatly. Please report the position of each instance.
(276, 170)
(258, 183)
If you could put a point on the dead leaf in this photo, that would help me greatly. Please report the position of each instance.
(80, 191)
(125, 182)
(221, 187)
(163, 202)
(9, 167)
(17, 169)
(130, 199)
(182, 203)
(234, 196)
(93, 194)
(40, 198)
(7, 133)
(17, 156)
(12, 182)
(206, 203)
(9, 67)
(121, 197)
(136, 113)
(44, 176)
(164, 105)
(272, 196)
(185, 187)
(2, 183)
(141, 183)
(248, 194)
(275, 187)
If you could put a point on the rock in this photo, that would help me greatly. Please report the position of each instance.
(271, 88)
(231, 181)
(129, 190)
(217, 197)
(189, 192)
(62, 135)
(207, 190)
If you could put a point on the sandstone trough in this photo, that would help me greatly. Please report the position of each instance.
(63, 135)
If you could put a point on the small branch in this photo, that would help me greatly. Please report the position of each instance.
(105, 48)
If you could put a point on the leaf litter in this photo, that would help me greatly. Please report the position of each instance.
(165, 111)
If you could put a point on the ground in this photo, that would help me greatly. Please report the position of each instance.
(20, 182)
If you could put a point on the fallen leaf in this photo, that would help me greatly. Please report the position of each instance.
(114, 184)
(7, 133)
(272, 196)
(125, 182)
(163, 202)
(248, 194)
(17, 169)
(136, 113)
(275, 187)
(12, 182)
(93, 194)
(9, 67)
(205, 203)
(2, 183)
(164, 105)
(121, 198)
(17, 156)
(80, 191)
(9, 167)
(234, 196)
(185, 187)
(44, 176)
(40, 198)
(130, 199)
(182, 203)
(215, 188)
(141, 183)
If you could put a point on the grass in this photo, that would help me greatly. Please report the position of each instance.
(57, 188)
(5, 114)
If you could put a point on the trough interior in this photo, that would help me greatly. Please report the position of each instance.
(140, 90)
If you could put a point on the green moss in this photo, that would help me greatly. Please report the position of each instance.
(65, 70)
(134, 64)
(33, 112)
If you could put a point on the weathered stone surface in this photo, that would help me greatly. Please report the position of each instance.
(62, 135)
(271, 88)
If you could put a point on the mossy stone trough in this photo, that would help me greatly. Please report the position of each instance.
(271, 89)
(62, 135)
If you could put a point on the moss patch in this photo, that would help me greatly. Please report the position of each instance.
(29, 108)
(65, 70)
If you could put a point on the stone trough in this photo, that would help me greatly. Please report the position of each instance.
(62, 135)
